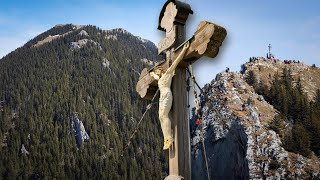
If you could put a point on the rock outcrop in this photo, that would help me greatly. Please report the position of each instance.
(79, 44)
(79, 131)
(83, 33)
(239, 143)
(23, 150)
(119, 33)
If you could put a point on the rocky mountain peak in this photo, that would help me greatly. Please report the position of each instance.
(74, 26)
(265, 70)
(239, 141)
(119, 31)
(115, 34)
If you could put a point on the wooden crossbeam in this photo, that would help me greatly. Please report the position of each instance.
(205, 42)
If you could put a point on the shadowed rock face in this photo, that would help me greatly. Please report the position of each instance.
(226, 146)
(228, 155)
(238, 141)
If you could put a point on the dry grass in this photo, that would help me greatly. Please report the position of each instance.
(49, 39)
(46, 40)
(266, 70)
(265, 111)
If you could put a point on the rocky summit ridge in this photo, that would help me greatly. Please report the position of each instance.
(239, 141)
(265, 70)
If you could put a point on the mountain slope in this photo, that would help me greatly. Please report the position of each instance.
(68, 107)
(75, 81)
(266, 69)
(239, 141)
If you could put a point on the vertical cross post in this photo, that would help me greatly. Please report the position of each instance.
(179, 154)
(205, 42)
(270, 51)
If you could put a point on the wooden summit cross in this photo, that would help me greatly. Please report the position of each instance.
(205, 42)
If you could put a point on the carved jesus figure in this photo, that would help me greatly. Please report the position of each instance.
(165, 102)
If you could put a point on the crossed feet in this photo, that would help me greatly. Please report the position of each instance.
(167, 143)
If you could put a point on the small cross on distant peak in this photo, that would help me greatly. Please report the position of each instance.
(269, 55)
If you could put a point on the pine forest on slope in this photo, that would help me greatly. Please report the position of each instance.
(68, 106)
(83, 77)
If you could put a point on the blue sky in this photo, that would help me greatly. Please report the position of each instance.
(292, 27)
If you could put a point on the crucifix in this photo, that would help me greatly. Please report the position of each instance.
(173, 96)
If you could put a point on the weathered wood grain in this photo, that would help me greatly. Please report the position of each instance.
(168, 41)
(147, 85)
(180, 153)
(168, 14)
(205, 42)
(169, 17)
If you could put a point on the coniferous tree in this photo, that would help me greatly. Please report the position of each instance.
(251, 78)
(43, 87)
(294, 107)
(301, 140)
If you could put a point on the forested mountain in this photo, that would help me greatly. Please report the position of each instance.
(68, 106)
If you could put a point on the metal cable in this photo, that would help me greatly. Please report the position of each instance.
(138, 125)
(199, 117)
